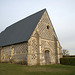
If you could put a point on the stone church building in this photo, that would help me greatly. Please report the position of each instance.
(32, 40)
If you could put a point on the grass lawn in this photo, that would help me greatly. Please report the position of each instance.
(15, 69)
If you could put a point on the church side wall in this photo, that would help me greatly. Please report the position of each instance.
(59, 54)
(15, 53)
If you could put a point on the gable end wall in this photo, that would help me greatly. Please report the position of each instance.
(41, 40)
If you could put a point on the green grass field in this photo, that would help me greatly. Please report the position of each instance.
(15, 69)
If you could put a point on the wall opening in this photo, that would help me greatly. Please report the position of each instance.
(47, 57)
(48, 27)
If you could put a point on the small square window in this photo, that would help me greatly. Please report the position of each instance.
(48, 27)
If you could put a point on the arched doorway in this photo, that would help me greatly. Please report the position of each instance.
(47, 57)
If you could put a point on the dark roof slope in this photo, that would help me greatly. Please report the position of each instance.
(20, 31)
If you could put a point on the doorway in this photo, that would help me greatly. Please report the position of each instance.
(47, 57)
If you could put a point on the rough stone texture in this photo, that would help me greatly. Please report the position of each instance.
(42, 39)
(42, 48)
(17, 53)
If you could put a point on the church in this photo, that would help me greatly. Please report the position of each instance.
(31, 40)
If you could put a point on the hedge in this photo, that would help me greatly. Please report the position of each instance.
(67, 61)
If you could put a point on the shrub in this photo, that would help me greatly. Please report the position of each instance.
(67, 61)
(21, 62)
(12, 61)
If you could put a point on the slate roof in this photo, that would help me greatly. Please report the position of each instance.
(20, 31)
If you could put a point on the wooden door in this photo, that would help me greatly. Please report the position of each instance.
(47, 57)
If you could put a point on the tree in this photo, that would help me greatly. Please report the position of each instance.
(65, 52)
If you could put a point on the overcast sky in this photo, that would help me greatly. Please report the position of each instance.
(61, 13)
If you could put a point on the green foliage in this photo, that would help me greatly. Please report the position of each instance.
(21, 62)
(12, 60)
(67, 61)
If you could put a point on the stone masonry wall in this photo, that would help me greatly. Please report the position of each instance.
(33, 49)
(17, 53)
(42, 39)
